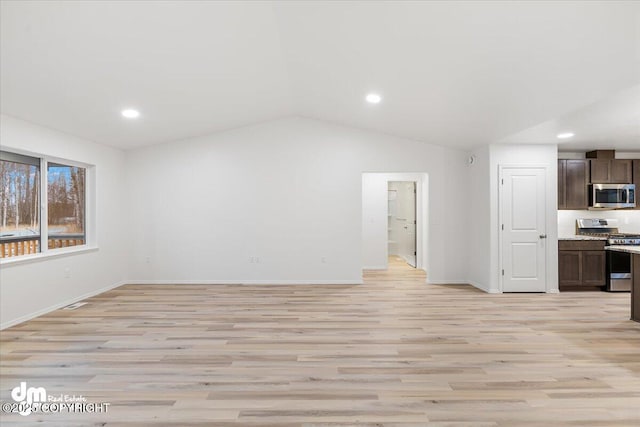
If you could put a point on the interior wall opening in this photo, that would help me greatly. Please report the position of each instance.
(385, 240)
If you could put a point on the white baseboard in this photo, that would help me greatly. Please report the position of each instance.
(244, 282)
(65, 303)
(553, 291)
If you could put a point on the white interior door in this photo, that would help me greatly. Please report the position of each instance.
(407, 221)
(523, 200)
(410, 226)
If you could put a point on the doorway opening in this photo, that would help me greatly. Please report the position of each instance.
(378, 222)
(402, 221)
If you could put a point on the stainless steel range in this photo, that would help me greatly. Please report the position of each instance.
(596, 227)
(618, 263)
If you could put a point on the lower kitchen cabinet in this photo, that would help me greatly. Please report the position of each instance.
(594, 266)
(570, 268)
(581, 263)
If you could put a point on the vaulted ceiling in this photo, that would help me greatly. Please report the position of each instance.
(452, 73)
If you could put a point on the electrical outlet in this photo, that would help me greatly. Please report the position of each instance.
(67, 272)
(257, 260)
(147, 260)
(323, 260)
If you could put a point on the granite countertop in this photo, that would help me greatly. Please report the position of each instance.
(582, 238)
(628, 248)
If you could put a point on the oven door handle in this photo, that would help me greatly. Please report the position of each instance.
(620, 275)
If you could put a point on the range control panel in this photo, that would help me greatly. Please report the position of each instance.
(625, 241)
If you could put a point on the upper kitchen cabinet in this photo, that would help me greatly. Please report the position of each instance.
(611, 171)
(562, 196)
(573, 183)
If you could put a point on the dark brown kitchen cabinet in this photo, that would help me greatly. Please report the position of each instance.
(562, 195)
(569, 268)
(611, 171)
(600, 171)
(581, 263)
(573, 183)
(594, 268)
(636, 180)
(621, 171)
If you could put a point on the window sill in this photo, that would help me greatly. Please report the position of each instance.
(54, 253)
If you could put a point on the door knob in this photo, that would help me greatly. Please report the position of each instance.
(543, 236)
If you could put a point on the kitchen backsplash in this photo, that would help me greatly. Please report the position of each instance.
(628, 220)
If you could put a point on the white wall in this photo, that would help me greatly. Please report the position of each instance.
(288, 192)
(627, 154)
(375, 221)
(32, 288)
(480, 220)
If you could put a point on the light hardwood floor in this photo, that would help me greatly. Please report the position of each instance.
(393, 351)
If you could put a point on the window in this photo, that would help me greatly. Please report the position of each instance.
(65, 201)
(22, 204)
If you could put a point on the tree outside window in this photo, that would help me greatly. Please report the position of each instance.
(21, 200)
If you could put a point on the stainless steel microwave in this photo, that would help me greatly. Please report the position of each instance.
(612, 196)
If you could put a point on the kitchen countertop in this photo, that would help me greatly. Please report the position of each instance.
(582, 238)
(629, 249)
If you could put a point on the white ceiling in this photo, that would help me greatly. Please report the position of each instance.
(451, 73)
(594, 126)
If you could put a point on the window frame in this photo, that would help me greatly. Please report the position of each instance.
(90, 241)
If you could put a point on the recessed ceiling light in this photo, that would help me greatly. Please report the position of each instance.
(130, 113)
(373, 98)
(565, 135)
